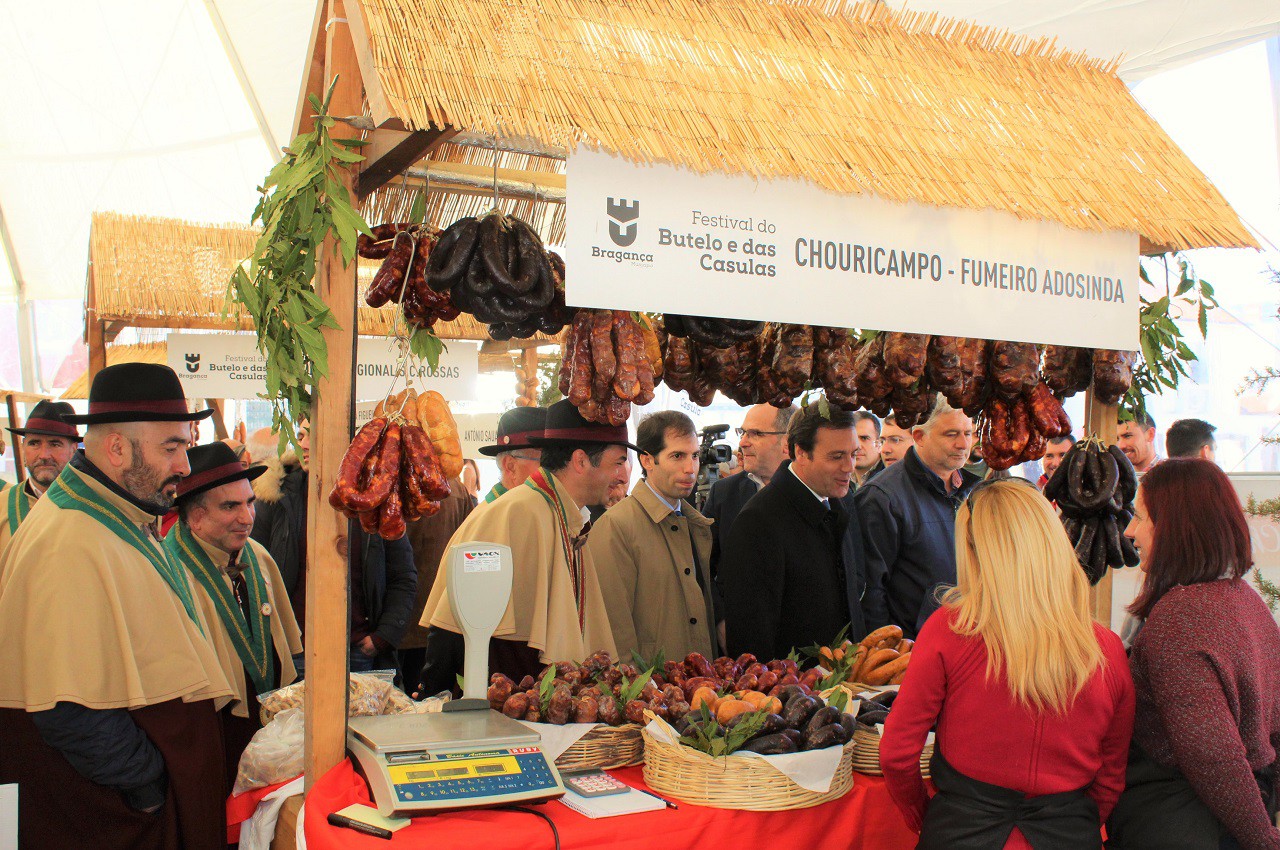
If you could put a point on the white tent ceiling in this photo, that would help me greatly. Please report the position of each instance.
(173, 108)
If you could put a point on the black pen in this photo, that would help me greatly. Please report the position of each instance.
(336, 819)
(666, 802)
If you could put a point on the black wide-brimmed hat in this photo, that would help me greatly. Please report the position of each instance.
(515, 427)
(136, 392)
(567, 427)
(48, 418)
(212, 466)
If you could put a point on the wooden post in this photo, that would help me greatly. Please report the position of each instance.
(1100, 420)
(95, 336)
(219, 423)
(327, 620)
(14, 422)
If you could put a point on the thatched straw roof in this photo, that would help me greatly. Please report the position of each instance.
(162, 272)
(850, 96)
(142, 352)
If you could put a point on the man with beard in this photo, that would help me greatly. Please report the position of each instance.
(556, 610)
(46, 445)
(110, 691)
(237, 586)
(653, 549)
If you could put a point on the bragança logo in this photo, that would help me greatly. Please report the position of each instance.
(623, 221)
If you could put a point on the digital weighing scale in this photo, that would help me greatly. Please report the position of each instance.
(468, 755)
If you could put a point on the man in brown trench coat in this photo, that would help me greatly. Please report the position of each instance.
(653, 549)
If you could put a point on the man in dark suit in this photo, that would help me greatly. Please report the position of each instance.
(762, 440)
(790, 574)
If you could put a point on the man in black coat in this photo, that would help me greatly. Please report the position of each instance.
(762, 439)
(790, 574)
(908, 515)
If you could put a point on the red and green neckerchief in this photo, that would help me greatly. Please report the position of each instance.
(70, 492)
(540, 481)
(19, 506)
(252, 640)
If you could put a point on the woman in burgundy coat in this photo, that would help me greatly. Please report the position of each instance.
(1206, 668)
(1032, 700)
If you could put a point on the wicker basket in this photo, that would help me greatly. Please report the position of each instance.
(866, 753)
(604, 748)
(733, 783)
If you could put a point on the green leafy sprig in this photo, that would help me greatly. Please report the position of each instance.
(303, 201)
(1164, 350)
(706, 735)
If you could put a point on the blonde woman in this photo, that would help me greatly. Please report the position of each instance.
(1033, 702)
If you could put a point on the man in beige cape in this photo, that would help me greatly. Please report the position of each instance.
(238, 588)
(110, 689)
(556, 612)
(44, 446)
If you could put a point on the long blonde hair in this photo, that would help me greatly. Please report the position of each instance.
(1021, 590)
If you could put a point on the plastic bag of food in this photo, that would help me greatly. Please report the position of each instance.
(367, 695)
(275, 753)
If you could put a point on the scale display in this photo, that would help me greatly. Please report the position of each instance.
(464, 777)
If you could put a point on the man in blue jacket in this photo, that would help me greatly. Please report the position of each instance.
(908, 516)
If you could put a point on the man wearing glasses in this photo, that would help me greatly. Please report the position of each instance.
(762, 440)
(517, 457)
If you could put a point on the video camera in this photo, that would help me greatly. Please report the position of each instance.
(710, 455)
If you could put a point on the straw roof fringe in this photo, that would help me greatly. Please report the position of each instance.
(853, 97)
(160, 270)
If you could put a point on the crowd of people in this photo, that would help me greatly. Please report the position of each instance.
(151, 589)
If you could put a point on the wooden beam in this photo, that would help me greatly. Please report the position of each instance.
(111, 330)
(465, 179)
(382, 167)
(1101, 420)
(327, 621)
(362, 48)
(14, 422)
(312, 73)
(94, 336)
(219, 423)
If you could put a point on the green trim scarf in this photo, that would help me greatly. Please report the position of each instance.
(19, 507)
(498, 490)
(541, 481)
(252, 640)
(71, 493)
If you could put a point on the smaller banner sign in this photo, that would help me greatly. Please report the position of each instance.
(230, 366)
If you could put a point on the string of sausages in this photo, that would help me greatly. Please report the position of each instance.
(610, 361)
(399, 464)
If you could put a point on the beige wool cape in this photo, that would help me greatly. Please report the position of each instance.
(88, 619)
(542, 611)
(285, 635)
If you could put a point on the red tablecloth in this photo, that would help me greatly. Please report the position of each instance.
(863, 819)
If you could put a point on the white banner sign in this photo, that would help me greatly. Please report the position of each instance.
(663, 239)
(230, 366)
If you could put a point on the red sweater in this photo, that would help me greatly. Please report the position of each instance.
(1206, 667)
(986, 736)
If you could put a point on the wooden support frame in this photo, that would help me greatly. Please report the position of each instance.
(327, 621)
(381, 167)
(11, 404)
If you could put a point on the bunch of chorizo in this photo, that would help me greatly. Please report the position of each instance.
(1094, 489)
(1017, 431)
(496, 268)
(405, 250)
(607, 364)
(398, 466)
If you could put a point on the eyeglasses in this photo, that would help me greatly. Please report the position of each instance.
(519, 456)
(754, 434)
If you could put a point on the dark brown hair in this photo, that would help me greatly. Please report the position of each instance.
(1199, 530)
